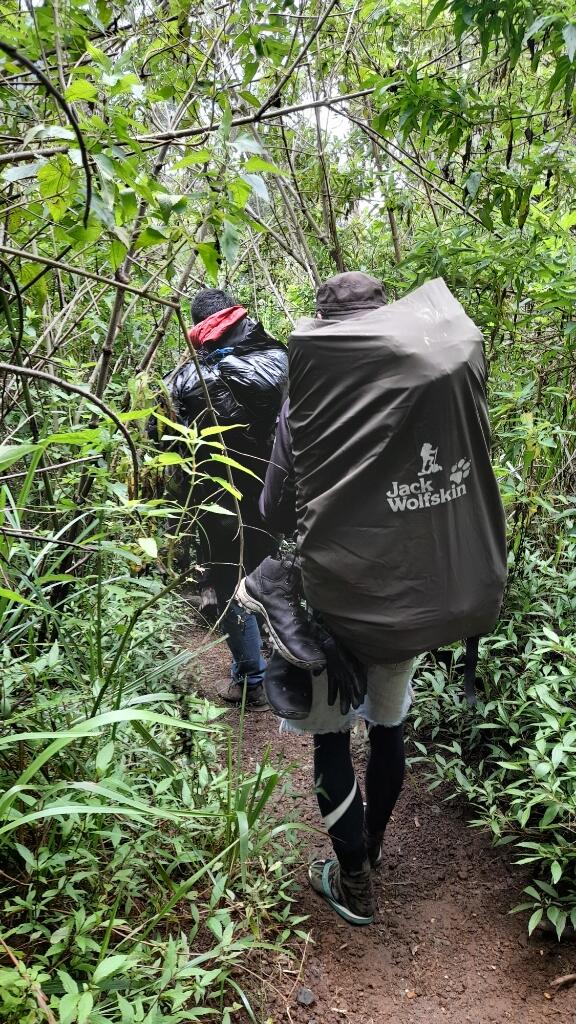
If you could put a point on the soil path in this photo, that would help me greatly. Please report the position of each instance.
(444, 947)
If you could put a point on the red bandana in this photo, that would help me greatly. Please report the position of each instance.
(213, 327)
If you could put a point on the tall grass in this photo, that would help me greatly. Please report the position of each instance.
(141, 866)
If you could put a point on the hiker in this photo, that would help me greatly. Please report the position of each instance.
(382, 461)
(245, 373)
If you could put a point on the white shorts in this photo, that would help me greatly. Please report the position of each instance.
(387, 702)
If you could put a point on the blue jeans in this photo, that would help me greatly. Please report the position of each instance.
(243, 639)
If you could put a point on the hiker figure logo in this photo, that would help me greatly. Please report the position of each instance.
(421, 493)
(428, 455)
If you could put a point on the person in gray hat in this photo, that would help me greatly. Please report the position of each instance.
(339, 298)
(384, 452)
(273, 590)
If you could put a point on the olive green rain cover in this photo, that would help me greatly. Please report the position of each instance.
(401, 526)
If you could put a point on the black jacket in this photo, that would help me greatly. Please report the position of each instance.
(245, 372)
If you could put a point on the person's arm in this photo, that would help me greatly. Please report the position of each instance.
(278, 499)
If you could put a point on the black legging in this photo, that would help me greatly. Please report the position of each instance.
(339, 796)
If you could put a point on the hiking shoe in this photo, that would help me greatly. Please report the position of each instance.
(373, 842)
(209, 605)
(349, 893)
(274, 590)
(233, 693)
(288, 688)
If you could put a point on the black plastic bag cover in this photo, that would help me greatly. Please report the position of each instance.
(401, 526)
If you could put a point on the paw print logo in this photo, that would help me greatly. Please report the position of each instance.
(460, 470)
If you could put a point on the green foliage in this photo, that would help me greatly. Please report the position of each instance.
(138, 892)
(514, 755)
(142, 155)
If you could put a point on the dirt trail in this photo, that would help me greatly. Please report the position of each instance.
(444, 947)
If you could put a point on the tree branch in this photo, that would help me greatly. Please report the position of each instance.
(237, 122)
(276, 92)
(30, 154)
(69, 269)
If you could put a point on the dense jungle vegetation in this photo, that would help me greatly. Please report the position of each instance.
(147, 149)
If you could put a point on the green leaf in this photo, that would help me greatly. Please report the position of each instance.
(199, 156)
(11, 453)
(104, 757)
(56, 179)
(209, 431)
(117, 253)
(209, 256)
(85, 1004)
(67, 1008)
(149, 546)
(11, 595)
(227, 486)
(230, 241)
(218, 509)
(439, 6)
(235, 465)
(22, 171)
(226, 120)
(109, 966)
(557, 754)
(543, 21)
(569, 33)
(81, 90)
(150, 236)
(257, 163)
(556, 872)
(257, 185)
(549, 815)
(535, 919)
(473, 184)
(168, 205)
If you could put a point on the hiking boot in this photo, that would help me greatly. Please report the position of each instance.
(288, 688)
(274, 590)
(208, 605)
(233, 693)
(349, 893)
(373, 842)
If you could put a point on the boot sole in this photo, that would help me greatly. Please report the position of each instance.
(252, 605)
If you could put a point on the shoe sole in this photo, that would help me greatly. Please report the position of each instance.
(252, 605)
(248, 706)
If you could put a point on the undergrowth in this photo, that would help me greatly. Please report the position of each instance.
(514, 755)
(141, 868)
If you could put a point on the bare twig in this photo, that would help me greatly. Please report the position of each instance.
(39, 539)
(30, 154)
(563, 980)
(49, 469)
(69, 269)
(237, 122)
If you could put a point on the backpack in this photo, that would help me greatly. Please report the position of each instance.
(401, 527)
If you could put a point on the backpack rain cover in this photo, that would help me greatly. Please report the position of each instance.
(401, 527)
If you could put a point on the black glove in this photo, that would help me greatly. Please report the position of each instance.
(347, 677)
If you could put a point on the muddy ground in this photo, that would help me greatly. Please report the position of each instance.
(444, 947)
